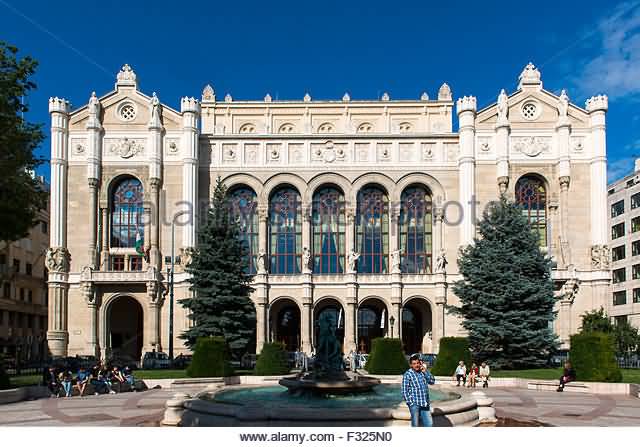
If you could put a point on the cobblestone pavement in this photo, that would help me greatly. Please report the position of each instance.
(566, 409)
(146, 409)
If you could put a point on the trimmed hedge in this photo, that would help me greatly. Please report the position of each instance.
(593, 357)
(452, 350)
(210, 358)
(386, 357)
(4, 378)
(272, 360)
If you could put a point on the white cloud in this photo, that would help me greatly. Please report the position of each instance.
(615, 70)
(619, 168)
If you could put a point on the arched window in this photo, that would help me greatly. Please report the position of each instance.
(531, 196)
(126, 213)
(415, 230)
(328, 231)
(244, 208)
(372, 233)
(285, 230)
(325, 128)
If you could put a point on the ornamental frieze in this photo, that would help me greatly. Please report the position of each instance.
(531, 146)
(125, 147)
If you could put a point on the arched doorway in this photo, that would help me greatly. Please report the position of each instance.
(284, 322)
(372, 323)
(416, 326)
(125, 328)
(335, 311)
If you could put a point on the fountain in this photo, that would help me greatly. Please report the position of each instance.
(328, 376)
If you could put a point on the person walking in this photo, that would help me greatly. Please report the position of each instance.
(484, 372)
(568, 375)
(461, 373)
(415, 392)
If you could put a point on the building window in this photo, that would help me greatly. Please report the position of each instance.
(617, 208)
(620, 298)
(29, 269)
(365, 128)
(135, 263)
(416, 230)
(127, 213)
(117, 263)
(635, 201)
(617, 230)
(619, 275)
(285, 230)
(531, 196)
(405, 127)
(620, 319)
(29, 296)
(16, 265)
(248, 128)
(635, 248)
(244, 210)
(6, 290)
(325, 128)
(21, 294)
(618, 253)
(286, 128)
(127, 112)
(636, 295)
(635, 224)
(44, 227)
(635, 271)
(329, 231)
(372, 232)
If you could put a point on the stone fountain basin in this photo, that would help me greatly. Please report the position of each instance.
(205, 411)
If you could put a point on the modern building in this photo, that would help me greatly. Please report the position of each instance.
(349, 207)
(24, 295)
(624, 222)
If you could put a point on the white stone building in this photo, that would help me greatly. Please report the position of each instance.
(350, 207)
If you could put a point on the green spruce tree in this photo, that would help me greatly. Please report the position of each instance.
(220, 279)
(506, 293)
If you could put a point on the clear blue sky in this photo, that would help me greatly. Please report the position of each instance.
(286, 48)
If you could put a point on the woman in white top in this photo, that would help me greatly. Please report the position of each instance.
(461, 373)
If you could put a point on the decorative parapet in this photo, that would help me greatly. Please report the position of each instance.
(595, 103)
(208, 94)
(467, 104)
(189, 105)
(530, 76)
(59, 105)
(126, 77)
(444, 93)
(96, 276)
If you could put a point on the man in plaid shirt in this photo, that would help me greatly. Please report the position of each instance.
(415, 391)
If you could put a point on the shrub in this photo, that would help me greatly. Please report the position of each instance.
(272, 360)
(210, 358)
(452, 350)
(386, 357)
(592, 355)
(4, 378)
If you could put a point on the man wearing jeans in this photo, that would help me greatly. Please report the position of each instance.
(415, 391)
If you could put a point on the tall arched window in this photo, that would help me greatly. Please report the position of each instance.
(244, 208)
(328, 231)
(531, 196)
(285, 231)
(415, 230)
(372, 233)
(126, 213)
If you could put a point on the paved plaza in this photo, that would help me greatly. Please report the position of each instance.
(146, 409)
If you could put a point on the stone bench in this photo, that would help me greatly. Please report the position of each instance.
(552, 385)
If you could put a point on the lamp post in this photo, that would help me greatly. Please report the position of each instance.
(170, 271)
(392, 320)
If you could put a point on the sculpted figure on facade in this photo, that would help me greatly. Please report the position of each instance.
(441, 261)
(563, 105)
(57, 259)
(600, 257)
(503, 107)
(352, 261)
(261, 262)
(395, 262)
(88, 292)
(93, 106)
(306, 260)
(154, 110)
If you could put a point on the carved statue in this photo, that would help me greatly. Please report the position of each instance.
(600, 257)
(503, 106)
(88, 292)
(57, 259)
(395, 262)
(154, 109)
(187, 256)
(306, 260)
(352, 259)
(261, 262)
(328, 361)
(441, 261)
(94, 105)
(563, 104)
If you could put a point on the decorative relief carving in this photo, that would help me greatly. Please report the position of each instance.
(406, 152)
(484, 144)
(78, 146)
(172, 147)
(251, 153)
(273, 152)
(362, 151)
(451, 151)
(296, 153)
(428, 150)
(531, 146)
(384, 151)
(126, 148)
(577, 144)
(229, 152)
(57, 259)
(600, 257)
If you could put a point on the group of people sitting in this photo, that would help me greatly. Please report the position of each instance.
(103, 379)
(470, 378)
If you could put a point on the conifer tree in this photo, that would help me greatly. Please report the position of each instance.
(220, 279)
(506, 294)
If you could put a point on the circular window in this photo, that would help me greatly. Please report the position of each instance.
(127, 112)
(529, 110)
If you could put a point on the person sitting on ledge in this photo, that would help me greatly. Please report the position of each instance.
(51, 380)
(128, 376)
(461, 373)
(117, 378)
(66, 378)
(485, 372)
(82, 379)
(415, 391)
(568, 375)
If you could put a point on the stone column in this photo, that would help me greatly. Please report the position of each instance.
(262, 312)
(565, 252)
(350, 232)
(104, 249)
(190, 108)
(597, 107)
(93, 222)
(57, 260)
(306, 324)
(155, 310)
(466, 167)
(438, 329)
(351, 314)
(94, 157)
(503, 129)
(90, 297)
(438, 234)
(155, 258)
(155, 174)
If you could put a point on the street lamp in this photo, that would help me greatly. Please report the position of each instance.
(392, 320)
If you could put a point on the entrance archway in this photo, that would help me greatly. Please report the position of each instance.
(372, 323)
(334, 309)
(125, 328)
(416, 326)
(284, 322)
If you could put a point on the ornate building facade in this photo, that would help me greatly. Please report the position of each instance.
(356, 208)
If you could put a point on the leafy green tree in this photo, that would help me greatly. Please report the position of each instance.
(21, 194)
(506, 293)
(626, 336)
(220, 305)
(596, 321)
